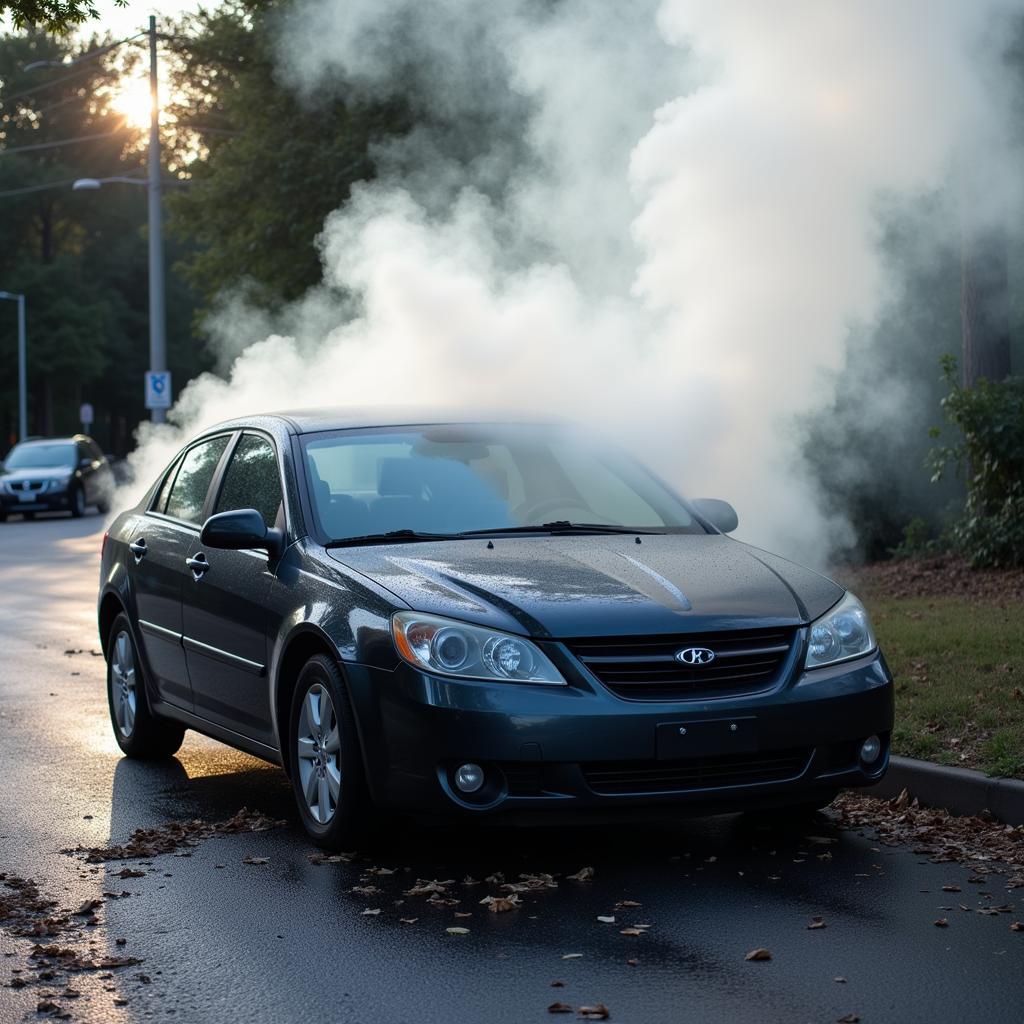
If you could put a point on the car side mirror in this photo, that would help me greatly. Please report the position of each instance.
(720, 514)
(241, 529)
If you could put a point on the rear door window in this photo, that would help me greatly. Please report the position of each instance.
(188, 492)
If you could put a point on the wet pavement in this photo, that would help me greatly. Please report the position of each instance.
(288, 939)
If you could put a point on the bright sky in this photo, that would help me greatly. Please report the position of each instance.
(123, 21)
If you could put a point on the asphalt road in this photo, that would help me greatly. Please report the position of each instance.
(287, 940)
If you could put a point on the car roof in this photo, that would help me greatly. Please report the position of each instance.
(68, 439)
(305, 421)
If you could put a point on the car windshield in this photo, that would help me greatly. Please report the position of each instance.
(458, 479)
(41, 456)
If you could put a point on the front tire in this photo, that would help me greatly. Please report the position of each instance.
(326, 766)
(139, 733)
(78, 503)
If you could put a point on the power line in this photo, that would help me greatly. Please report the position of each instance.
(42, 188)
(62, 142)
(37, 188)
(70, 64)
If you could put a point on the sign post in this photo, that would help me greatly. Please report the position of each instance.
(158, 389)
(85, 416)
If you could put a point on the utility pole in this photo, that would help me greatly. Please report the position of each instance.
(157, 305)
(22, 370)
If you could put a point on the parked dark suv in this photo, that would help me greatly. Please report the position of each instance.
(419, 613)
(55, 474)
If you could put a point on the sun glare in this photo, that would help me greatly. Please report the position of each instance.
(132, 100)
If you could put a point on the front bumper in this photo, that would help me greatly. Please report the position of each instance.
(46, 501)
(547, 747)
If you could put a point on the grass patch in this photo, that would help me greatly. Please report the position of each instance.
(959, 669)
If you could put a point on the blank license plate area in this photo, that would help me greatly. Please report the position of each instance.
(27, 496)
(720, 736)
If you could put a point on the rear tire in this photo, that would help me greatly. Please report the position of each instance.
(325, 762)
(28, 516)
(139, 733)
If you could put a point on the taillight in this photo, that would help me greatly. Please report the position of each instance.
(103, 546)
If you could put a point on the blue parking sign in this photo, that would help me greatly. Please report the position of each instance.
(158, 389)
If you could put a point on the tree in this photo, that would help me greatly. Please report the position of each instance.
(79, 257)
(272, 166)
(52, 15)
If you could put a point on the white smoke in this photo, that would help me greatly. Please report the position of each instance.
(656, 218)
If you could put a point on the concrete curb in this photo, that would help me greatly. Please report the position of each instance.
(958, 790)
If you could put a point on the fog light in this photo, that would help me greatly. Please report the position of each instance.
(469, 777)
(870, 749)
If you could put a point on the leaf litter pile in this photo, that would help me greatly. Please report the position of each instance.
(178, 835)
(986, 846)
(63, 946)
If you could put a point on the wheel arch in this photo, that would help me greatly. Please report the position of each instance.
(305, 642)
(111, 606)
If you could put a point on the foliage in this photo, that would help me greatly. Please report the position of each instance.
(79, 257)
(56, 16)
(272, 166)
(989, 453)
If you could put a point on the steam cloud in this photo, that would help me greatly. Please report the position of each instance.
(651, 217)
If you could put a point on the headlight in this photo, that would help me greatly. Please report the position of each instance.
(59, 483)
(843, 633)
(456, 649)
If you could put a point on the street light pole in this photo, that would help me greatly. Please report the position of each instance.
(157, 304)
(22, 359)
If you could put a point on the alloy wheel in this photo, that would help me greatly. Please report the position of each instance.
(122, 684)
(318, 745)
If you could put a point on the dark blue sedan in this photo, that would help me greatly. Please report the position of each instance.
(423, 614)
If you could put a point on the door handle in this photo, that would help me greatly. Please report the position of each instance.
(138, 549)
(198, 565)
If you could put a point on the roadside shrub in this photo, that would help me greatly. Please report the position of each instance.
(989, 455)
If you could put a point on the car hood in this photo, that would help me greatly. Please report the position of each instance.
(603, 585)
(39, 473)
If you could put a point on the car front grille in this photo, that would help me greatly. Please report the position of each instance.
(646, 668)
(618, 777)
(18, 486)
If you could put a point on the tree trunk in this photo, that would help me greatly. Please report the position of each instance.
(984, 306)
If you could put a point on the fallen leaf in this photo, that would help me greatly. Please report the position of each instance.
(457, 931)
(816, 922)
(370, 913)
(596, 1012)
(941, 923)
(255, 860)
(759, 954)
(632, 963)
(559, 1008)
(463, 913)
(408, 920)
(951, 888)
(86, 909)
(571, 956)
(606, 920)
(500, 904)
(1017, 926)
(850, 1018)
(558, 984)
(626, 904)
(632, 931)
(841, 981)
(583, 875)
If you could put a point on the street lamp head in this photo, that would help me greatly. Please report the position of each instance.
(86, 183)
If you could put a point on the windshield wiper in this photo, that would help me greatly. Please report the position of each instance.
(391, 537)
(559, 526)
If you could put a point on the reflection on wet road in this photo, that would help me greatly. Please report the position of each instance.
(289, 939)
